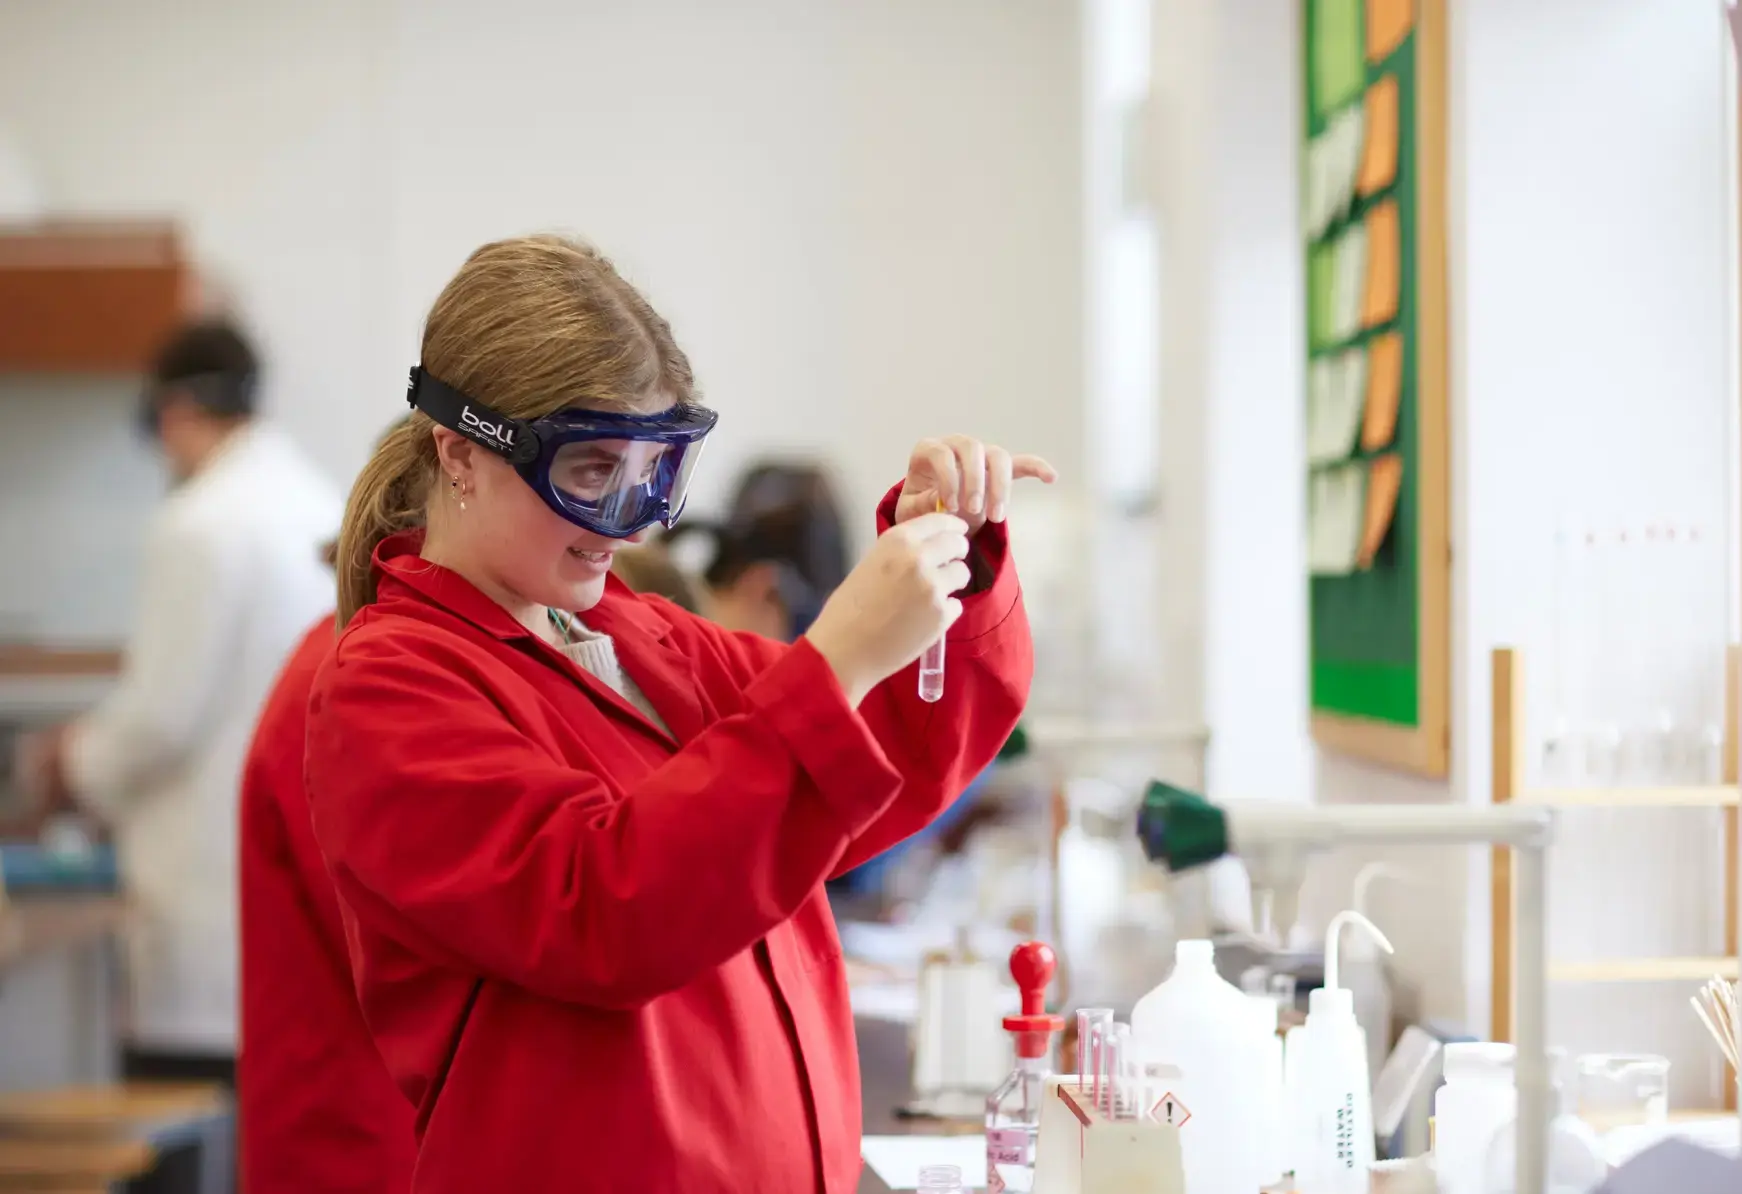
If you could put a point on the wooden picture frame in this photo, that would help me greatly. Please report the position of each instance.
(1414, 735)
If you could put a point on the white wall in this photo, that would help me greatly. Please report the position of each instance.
(1594, 333)
(862, 220)
(1232, 428)
(1592, 327)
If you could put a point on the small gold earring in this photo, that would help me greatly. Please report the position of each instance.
(454, 484)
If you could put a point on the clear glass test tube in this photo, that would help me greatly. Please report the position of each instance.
(1091, 1023)
(1117, 1094)
(931, 662)
(931, 673)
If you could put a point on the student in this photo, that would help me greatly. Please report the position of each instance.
(580, 836)
(232, 578)
(317, 1112)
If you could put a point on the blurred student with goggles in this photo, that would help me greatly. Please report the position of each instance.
(579, 835)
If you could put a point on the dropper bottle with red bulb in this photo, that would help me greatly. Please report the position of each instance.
(1013, 1110)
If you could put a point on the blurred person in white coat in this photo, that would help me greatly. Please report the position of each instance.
(232, 578)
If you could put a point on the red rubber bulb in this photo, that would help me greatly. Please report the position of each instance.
(1032, 965)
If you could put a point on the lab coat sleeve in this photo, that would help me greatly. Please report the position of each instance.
(451, 832)
(190, 613)
(941, 747)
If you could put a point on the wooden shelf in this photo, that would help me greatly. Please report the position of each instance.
(1643, 970)
(89, 296)
(1711, 796)
(30, 660)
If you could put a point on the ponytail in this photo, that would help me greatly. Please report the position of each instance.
(389, 496)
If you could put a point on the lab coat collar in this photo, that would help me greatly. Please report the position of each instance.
(397, 559)
(665, 676)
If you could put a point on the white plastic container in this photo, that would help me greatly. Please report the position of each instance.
(1272, 1150)
(1576, 1161)
(1206, 1027)
(1477, 1100)
(1331, 1082)
(1294, 1111)
(1365, 973)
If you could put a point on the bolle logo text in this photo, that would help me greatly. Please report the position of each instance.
(502, 435)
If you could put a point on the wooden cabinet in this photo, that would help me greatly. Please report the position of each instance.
(89, 296)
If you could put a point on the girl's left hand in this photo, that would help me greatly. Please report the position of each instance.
(968, 478)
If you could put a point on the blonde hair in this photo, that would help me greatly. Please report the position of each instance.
(528, 326)
(649, 568)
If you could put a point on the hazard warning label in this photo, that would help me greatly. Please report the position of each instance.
(1169, 1110)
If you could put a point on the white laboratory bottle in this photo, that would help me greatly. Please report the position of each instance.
(1331, 1082)
(1576, 1160)
(1205, 1026)
(1268, 1090)
(1294, 1118)
(1364, 971)
(1477, 1100)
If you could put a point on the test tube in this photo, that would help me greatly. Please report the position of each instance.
(1091, 1023)
(1117, 1097)
(931, 663)
(931, 673)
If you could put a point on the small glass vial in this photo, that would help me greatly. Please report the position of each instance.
(941, 1179)
(1013, 1110)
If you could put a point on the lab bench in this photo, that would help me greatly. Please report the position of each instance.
(883, 1083)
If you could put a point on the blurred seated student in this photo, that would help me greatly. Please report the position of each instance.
(317, 1111)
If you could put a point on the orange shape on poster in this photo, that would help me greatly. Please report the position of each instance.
(1388, 23)
(1384, 480)
(1384, 391)
(1379, 154)
(1384, 265)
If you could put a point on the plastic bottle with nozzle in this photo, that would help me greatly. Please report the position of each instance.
(1363, 970)
(1330, 1086)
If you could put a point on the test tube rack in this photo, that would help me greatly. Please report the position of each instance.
(1509, 786)
(1082, 1150)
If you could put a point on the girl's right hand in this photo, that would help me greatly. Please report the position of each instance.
(895, 604)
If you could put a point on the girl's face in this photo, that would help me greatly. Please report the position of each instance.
(516, 548)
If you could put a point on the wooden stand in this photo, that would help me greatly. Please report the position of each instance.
(1510, 749)
(1081, 1151)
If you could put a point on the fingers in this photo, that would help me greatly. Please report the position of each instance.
(954, 576)
(937, 456)
(998, 475)
(971, 465)
(940, 550)
(932, 526)
(952, 611)
(1025, 466)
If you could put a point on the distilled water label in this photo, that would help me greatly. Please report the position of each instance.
(1006, 1146)
(1345, 1139)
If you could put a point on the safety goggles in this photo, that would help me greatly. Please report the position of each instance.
(609, 473)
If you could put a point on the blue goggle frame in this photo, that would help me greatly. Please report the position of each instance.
(540, 448)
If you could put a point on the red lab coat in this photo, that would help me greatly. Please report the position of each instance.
(318, 1112)
(598, 957)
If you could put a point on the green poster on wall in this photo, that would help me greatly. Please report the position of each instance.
(1372, 201)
